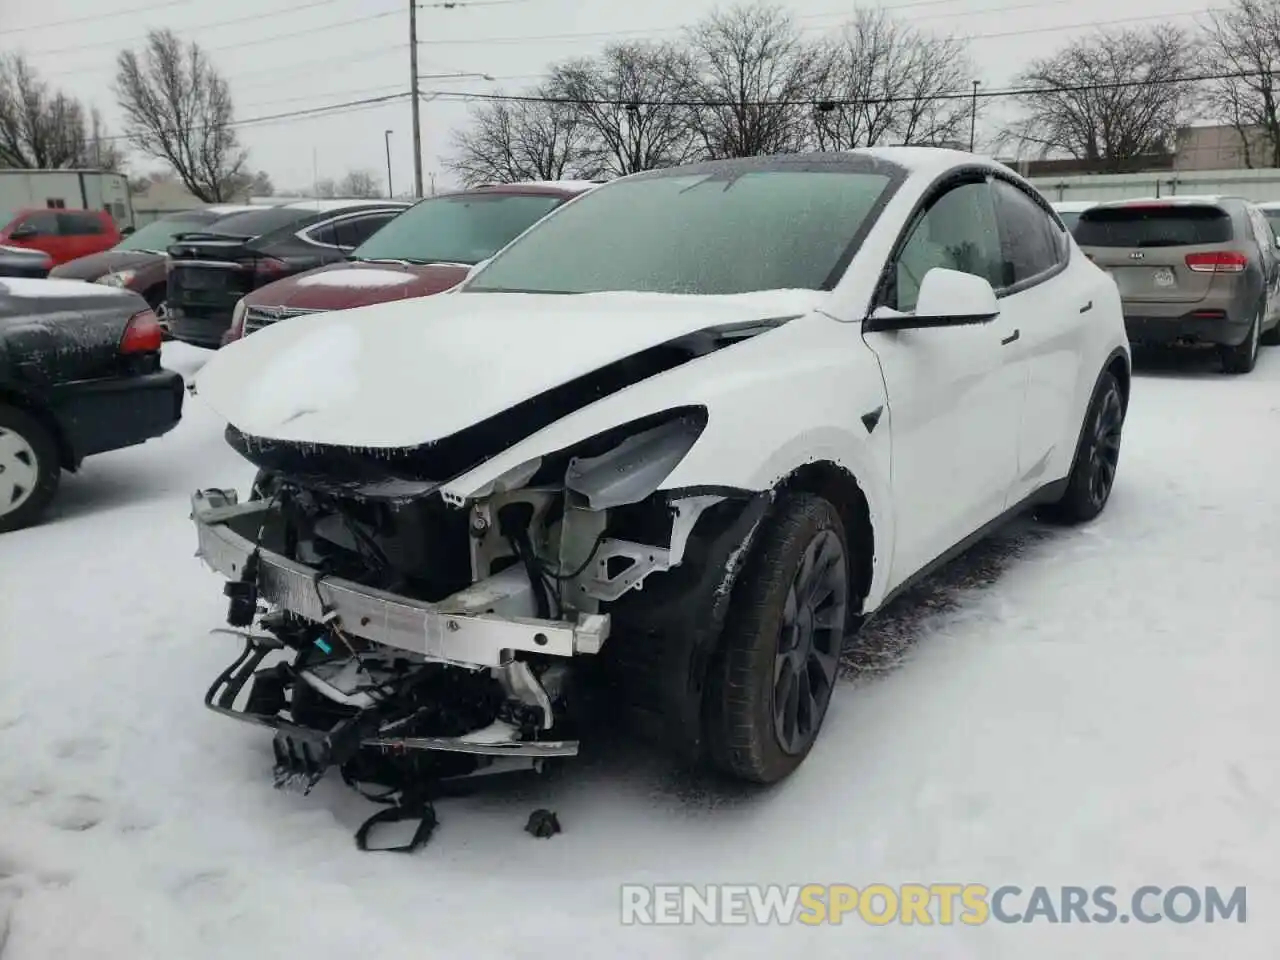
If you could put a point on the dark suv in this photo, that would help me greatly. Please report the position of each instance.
(1191, 271)
(209, 272)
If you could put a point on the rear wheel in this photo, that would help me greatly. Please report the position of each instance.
(1272, 337)
(1097, 457)
(771, 687)
(29, 469)
(1244, 358)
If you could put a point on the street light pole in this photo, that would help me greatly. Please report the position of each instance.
(387, 138)
(413, 97)
(973, 114)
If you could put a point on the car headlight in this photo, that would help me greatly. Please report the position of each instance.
(121, 278)
(643, 454)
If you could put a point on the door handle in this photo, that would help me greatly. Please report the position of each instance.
(1010, 338)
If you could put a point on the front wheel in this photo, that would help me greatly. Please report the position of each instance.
(771, 687)
(29, 469)
(1097, 457)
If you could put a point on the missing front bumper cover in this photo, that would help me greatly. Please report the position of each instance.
(457, 630)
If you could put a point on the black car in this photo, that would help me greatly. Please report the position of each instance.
(22, 262)
(80, 374)
(210, 271)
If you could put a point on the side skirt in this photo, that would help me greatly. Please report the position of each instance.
(1049, 493)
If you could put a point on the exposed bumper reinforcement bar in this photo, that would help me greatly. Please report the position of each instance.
(456, 630)
(309, 752)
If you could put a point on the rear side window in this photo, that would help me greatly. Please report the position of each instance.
(1153, 226)
(351, 231)
(80, 224)
(255, 223)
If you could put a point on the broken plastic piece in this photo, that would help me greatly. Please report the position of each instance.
(543, 824)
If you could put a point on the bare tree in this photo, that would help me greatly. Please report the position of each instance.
(633, 99)
(1244, 40)
(39, 128)
(1111, 97)
(178, 108)
(541, 138)
(754, 72)
(360, 184)
(881, 81)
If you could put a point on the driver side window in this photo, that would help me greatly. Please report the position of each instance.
(958, 232)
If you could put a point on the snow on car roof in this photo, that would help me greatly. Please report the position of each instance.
(1074, 206)
(551, 184)
(325, 206)
(29, 289)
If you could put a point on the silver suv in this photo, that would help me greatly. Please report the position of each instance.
(1191, 271)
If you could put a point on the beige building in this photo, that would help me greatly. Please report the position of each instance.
(1220, 148)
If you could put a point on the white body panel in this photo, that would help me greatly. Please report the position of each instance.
(974, 419)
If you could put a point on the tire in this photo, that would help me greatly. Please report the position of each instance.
(1097, 458)
(744, 737)
(1272, 337)
(30, 469)
(1243, 358)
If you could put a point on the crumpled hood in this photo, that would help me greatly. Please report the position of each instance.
(341, 286)
(412, 372)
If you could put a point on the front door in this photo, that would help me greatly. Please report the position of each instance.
(955, 400)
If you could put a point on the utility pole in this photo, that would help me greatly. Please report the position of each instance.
(973, 114)
(413, 97)
(387, 137)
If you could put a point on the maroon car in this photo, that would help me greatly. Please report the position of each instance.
(137, 262)
(427, 249)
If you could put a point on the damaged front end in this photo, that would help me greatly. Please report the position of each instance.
(406, 638)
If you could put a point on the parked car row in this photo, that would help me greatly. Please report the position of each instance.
(1192, 271)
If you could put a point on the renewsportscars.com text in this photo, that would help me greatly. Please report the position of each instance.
(969, 904)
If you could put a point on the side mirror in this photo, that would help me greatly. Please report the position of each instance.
(948, 298)
(23, 232)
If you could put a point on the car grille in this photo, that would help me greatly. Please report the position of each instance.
(255, 318)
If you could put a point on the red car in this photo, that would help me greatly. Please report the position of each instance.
(63, 234)
(427, 249)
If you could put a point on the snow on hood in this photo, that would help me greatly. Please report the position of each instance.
(355, 278)
(35, 289)
(410, 372)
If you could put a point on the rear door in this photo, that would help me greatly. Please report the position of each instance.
(1048, 299)
(83, 233)
(1156, 252)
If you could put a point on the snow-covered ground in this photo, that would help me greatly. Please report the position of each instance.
(1086, 707)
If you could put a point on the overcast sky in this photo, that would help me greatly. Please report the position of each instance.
(286, 55)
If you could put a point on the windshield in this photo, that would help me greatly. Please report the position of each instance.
(720, 233)
(1153, 226)
(460, 229)
(254, 223)
(158, 234)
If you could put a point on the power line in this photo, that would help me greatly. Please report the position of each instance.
(226, 23)
(833, 102)
(610, 34)
(96, 16)
(288, 115)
